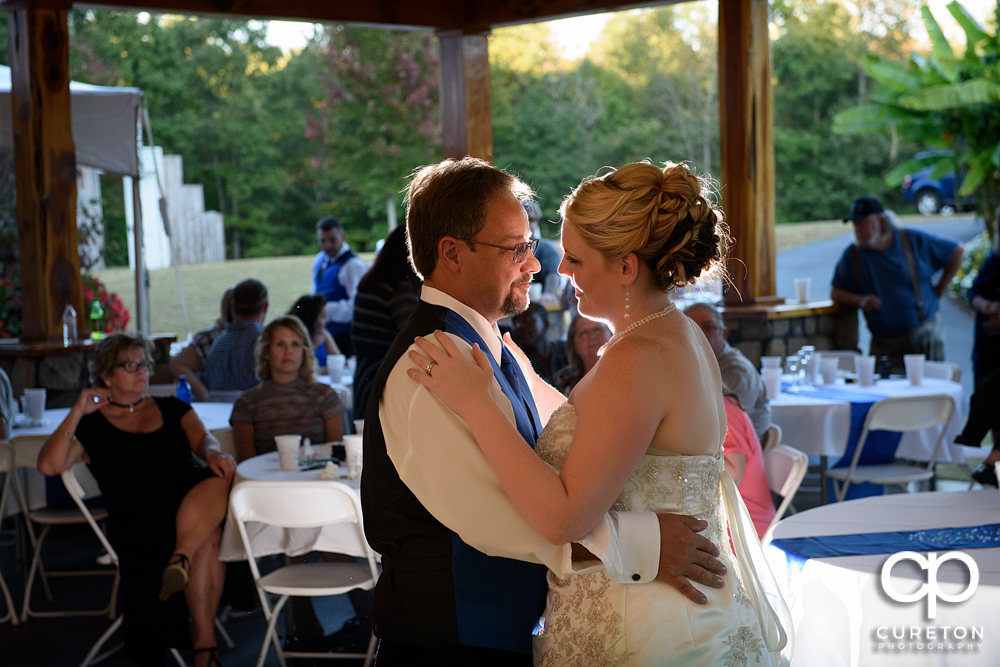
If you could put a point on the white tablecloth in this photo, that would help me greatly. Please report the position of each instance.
(266, 540)
(821, 427)
(838, 603)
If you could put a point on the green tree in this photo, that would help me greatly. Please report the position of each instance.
(816, 74)
(217, 96)
(377, 121)
(945, 101)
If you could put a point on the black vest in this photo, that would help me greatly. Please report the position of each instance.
(435, 590)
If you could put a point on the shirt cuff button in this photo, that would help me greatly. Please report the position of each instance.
(636, 577)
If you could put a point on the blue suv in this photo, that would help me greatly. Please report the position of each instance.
(932, 195)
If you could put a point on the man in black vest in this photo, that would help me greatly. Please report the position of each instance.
(336, 272)
(463, 579)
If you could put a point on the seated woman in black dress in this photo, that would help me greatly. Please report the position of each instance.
(165, 508)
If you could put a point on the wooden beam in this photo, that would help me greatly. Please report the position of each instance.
(470, 16)
(466, 108)
(45, 167)
(746, 130)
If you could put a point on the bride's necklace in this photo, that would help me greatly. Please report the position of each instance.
(130, 406)
(649, 318)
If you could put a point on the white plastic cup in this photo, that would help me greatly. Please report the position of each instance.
(355, 455)
(829, 369)
(865, 368)
(802, 289)
(770, 362)
(335, 367)
(772, 381)
(359, 426)
(914, 368)
(35, 403)
(288, 450)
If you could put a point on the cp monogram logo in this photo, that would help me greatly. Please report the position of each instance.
(930, 590)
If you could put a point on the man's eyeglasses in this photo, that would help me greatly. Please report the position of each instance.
(135, 366)
(520, 250)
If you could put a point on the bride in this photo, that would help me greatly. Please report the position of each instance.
(643, 430)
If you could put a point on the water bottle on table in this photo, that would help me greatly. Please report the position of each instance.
(184, 389)
(69, 325)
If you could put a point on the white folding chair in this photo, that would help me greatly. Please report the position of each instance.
(7, 468)
(76, 491)
(162, 390)
(772, 438)
(904, 413)
(26, 456)
(306, 504)
(785, 468)
(942, 370)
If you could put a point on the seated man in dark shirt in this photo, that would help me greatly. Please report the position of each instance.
(231, 364)
(546, 356)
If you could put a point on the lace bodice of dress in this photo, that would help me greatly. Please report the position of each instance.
(677, 484)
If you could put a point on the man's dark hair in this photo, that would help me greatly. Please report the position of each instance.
(327, 223)
(249, 298)
(451, 199)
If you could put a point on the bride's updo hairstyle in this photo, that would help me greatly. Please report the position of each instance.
(659, 214)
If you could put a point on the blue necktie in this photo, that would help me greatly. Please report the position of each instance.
(517, 382)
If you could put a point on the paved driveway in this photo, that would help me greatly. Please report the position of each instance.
(817, 260)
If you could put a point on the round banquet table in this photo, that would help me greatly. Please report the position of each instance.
(820, 426)
(267, 540)
(838, 605)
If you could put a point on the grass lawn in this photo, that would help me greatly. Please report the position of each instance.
(288, 278)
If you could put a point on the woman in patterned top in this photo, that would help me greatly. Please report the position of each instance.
(288, 400)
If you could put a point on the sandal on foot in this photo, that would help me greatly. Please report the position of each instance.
(175, 576)
(213, 655)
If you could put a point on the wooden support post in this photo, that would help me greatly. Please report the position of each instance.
(466, 111)
(746, 129)
(45, 166)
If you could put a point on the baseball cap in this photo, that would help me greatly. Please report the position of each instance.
(862, 207)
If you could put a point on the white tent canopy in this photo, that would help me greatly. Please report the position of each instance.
(106, 127)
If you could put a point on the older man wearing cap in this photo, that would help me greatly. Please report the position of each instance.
(887, 273)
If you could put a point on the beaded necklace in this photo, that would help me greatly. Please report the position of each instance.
(649, 318)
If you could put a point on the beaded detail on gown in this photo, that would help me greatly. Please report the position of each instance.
(591, 620)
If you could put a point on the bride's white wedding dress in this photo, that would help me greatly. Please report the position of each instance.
(590, 620)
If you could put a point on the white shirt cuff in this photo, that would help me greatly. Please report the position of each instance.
(628, 544)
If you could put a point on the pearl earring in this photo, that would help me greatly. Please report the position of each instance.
(627, 307)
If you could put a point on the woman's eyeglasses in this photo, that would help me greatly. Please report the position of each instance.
(520, 250)
(135, 366)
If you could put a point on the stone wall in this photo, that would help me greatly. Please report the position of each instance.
(780, 331)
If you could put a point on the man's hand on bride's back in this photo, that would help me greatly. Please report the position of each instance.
(684, 554)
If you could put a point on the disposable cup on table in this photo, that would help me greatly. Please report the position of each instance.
(829, 369)
(772, 381)
(359, 426)
(355, 455)
(802, 289)
(770, 362)
(914, 368)
(865, 368)
(335, 367)
(288, 451)
(34, 403)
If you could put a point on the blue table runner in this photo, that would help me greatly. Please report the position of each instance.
(880, 448)
(864, 544)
